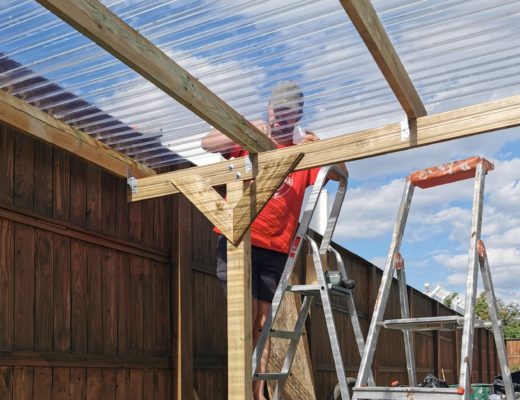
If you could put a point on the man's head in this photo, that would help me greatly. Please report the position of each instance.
(285, 109)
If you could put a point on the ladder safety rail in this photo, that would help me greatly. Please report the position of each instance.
(326, 286)
(448, 173)
(477, 168)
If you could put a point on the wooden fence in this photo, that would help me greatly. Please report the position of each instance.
(97, 295)
(85, 309)
(513, 353)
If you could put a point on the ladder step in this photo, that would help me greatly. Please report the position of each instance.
(314, 290)
(405, 393)
(270, 376)
(285, 334)
(446, 323)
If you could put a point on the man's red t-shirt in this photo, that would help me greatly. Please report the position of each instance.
(274, 227)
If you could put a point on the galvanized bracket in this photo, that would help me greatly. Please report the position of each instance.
(132, 182)
(248, 164)
(405, 130)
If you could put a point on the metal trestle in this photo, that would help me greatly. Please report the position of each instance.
(473, 167)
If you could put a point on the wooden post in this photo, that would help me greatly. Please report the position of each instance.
(181, 284)
(240, 345)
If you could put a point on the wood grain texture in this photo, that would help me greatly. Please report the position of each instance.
(61, 279)
(366, 21)
(450, 125)
(208, 201)
(38, 124)
(44, 294)
(268, 179)
(182, 345)
(105, 28)
(6, 284)
(6, 164)
(240, 339)
(23, 287)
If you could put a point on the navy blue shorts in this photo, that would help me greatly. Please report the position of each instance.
(266, 270)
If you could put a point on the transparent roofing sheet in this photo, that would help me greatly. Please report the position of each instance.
(457, 53)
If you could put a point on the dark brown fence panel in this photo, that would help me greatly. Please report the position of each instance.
(85, 285)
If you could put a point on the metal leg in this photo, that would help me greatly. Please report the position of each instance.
(407, 335)
(329, 320)
(354, 319)
(384, 289)
(493, 315)
(471, 285)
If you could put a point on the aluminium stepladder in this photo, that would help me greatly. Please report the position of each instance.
(472, 167)
(339, 285)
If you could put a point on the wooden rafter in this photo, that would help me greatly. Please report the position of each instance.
(367, 23)
(467, 121)
(233, 220)
(98, 23)
(40, 125)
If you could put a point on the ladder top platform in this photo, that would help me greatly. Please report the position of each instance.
(447, 173)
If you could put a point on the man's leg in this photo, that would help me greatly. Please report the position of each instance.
(262, 311)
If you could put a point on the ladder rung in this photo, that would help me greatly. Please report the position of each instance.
(270, 376)
(285, 334)
(449, 322)
(405, 393)
(314, 290)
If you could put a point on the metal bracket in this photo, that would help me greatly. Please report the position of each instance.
(248, 164)
(405, 130)
(132, 182)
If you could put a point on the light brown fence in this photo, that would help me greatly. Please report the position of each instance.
(513, 353)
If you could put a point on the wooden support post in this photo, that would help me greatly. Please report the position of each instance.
(181, 282)
(240, 339)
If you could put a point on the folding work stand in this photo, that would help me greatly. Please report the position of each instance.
(472, 167)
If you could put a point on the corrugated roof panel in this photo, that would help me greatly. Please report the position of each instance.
(457, 53)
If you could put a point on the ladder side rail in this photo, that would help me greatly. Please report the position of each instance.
(471, 284)
(329, 320)
(496, 323)
(336, 207)
(354, 318)
(384, 288)
(407, 335)
(293, 345)
(291, 259)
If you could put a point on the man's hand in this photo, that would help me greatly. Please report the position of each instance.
(309, 137)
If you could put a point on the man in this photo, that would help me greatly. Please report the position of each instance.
(273, 229)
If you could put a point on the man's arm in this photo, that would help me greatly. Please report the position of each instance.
(216, 142)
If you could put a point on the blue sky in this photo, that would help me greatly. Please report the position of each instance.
(464, 60)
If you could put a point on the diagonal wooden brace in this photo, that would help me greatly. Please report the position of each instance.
(233, 221)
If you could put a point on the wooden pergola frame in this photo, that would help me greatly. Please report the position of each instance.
(245, 199)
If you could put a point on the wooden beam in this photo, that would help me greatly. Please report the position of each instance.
(233, 220)
(455, 124)
(101, 25)
(269, 178)
(367, 23)
(208, 201)
(240, 337)
(40, 125)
